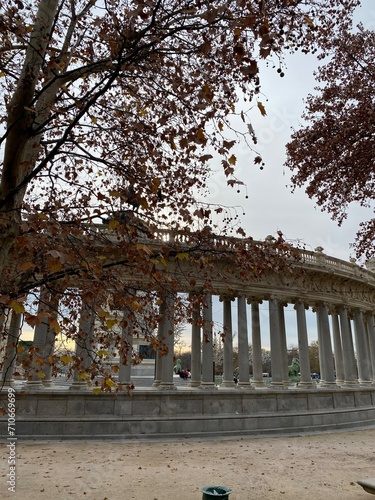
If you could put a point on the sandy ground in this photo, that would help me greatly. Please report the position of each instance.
(314, 467)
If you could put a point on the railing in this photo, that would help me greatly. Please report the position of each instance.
(308, 258)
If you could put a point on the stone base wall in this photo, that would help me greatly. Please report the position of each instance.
(189, 413)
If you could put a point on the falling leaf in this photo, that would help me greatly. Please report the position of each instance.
(261, 108)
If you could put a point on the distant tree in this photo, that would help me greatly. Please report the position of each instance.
(294, 367)
(334, 152)
(314, 357)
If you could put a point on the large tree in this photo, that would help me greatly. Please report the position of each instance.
(333, 153)
(111, 104)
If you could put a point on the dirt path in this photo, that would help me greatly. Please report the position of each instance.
(315, 467)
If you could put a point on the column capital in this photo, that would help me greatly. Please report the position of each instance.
(254, 300)
(227, 296)
(296, 302)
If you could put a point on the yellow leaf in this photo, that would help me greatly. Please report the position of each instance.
(163, 261)
(103, 352)
(65, 359)
(54, 325)
(17, 307)
(41, 375)
(20, 348)
(145, 248)
(94, 119)
(182, 255)
(54, 265)
(262, 109)
(83, 376)
(97, 390)
(232, 160)
(113, 223)
(136, 306)
(25, 266)
(110, 382)
(102, 313)
(110, 323)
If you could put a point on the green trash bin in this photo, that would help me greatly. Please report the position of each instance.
(215, 492)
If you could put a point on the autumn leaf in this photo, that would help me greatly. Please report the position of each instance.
(110, 383)
(65, 359)
(102, 313)
(83, 376)
(182, 256)
(103, 353)
(97, 390)
(54, 325)
(232, 160)
(17, 307)
(41, 375)
(110, 323)
(261, 108)
(113, 223)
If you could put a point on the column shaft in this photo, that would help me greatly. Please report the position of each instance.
(350, 368)
(303, 346)
(84, 346)
(10, 355)
(325, 347)
(208, 376)
(275, 341)
(371, 340)
(195, 380)
(363, 348)
(257, 346)
(227, 345)
(168, 341)
(126, 351)
(337, 347)
(243, 344)
(284, 347)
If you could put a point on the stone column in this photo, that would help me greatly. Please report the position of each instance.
(40, 373)
(257, 381)
(159, 351)
(227, 345)
(337, 347)
(350, 368)
(325, 348)
(363, 350)
(276, 347)
(284, 347)
(371, 339)
(10, 354)
(36, 369)
(195, 380)
(208, 378)
(84, 346)
(125, 366)
(243, 345)
(303, 346)
(166, 382)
